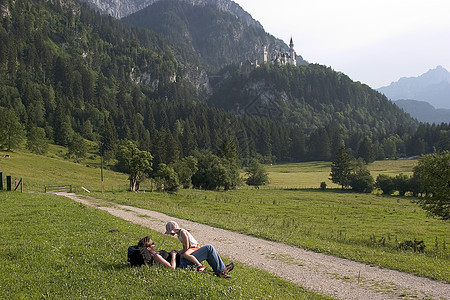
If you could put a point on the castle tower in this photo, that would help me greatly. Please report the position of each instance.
(265, 55)
(293, 56)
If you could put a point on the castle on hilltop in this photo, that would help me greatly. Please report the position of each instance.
(276, 57)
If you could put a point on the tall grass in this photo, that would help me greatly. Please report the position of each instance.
(52, 247)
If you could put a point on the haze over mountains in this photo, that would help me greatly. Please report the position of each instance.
(426, 97)
(432, 87)
(424, 111)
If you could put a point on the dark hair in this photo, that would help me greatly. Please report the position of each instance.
(145, 242)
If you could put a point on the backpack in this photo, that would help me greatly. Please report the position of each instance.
(138, 256)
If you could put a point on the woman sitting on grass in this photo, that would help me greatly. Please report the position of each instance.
(207, 252)
(190, 244)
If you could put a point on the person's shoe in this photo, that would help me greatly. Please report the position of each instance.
(224, 275)
(201, 268)
(228, 268)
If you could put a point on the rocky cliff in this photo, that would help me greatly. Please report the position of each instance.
(122, 8)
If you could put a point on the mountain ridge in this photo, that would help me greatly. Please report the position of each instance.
(424, 111)
(123, 8)
(432, 87)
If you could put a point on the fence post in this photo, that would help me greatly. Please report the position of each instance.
(8, 183)
(1, 181)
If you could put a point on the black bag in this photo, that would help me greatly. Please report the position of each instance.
(138, 256)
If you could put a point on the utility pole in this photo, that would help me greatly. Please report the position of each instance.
(101, 164)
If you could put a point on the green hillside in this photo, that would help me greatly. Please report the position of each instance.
(53, 169)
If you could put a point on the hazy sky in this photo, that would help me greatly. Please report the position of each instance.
(375, 42)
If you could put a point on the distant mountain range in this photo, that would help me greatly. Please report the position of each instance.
(432, 87)
(424, 111)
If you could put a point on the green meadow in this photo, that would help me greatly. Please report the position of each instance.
(54, 248)
(311, 174)
(361, 227)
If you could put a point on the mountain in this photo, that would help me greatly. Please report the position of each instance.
(73, 72)
(123, 8)
(213, 37)
(424, 111)
(432, 87)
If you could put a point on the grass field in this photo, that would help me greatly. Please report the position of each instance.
(311, 174)
(54, 248)
(361, 227)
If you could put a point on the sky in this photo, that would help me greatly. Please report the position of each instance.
(375, 42)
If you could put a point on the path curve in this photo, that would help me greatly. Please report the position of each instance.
(336, 277)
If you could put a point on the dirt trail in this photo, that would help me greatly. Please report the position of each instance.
(340, 278)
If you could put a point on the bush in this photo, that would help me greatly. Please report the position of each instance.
(167, 178)
(323, 185)
(362, 183)
(257, 175)
(385, 183)
(401, 183)
(360, 179)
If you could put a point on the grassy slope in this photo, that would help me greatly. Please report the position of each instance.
(52, 247)
(38, 171)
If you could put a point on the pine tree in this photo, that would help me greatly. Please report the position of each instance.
(341, 168)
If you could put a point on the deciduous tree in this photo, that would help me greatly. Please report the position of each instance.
(37, 141)
(433, 171)
(11, 130)
(137, 163)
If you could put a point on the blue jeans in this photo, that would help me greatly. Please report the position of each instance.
(208, 253)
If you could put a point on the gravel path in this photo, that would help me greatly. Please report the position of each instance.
(339, 278)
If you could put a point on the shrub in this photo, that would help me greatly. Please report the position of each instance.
(168, 178)
(362, 183)
(323, 185)
(401, 183)
(385, 183)
(257, 175)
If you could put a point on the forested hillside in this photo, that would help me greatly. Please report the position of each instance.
(313, 96)
(73, 72)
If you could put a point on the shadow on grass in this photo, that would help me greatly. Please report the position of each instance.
(332, 190)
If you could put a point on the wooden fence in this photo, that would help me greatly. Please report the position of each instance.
(58, 188)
